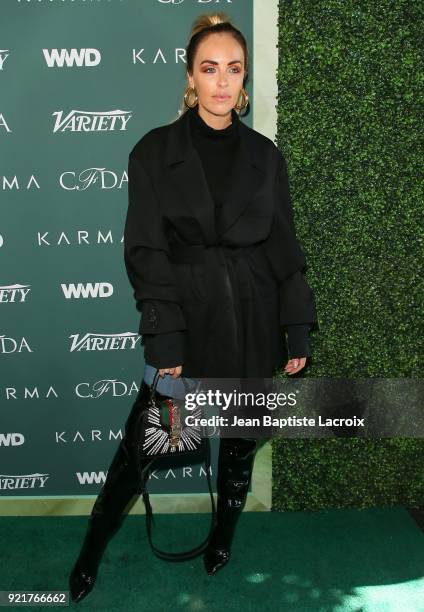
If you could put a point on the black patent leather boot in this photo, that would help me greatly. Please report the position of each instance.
(235, 466)
(121, 484)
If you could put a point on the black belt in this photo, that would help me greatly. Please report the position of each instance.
(198, 253)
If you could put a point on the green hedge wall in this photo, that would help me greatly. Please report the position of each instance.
(349, 95)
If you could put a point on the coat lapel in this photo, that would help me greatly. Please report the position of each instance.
(186, 171)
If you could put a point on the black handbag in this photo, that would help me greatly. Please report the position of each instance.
(161, 432)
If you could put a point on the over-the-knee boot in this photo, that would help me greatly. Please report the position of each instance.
(121, 484)
(235, 465)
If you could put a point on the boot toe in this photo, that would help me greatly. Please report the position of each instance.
(215, 558)
(80, 583)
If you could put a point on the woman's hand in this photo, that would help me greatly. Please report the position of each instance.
(295, 365)
(175, 372)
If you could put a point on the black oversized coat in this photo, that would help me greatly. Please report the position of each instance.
(225, 287)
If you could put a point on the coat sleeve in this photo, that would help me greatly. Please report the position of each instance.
(146, 255)
(164, 350)
(287, 260)
(298, 341)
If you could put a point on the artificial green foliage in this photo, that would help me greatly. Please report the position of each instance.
(335, 473)
(349, 96)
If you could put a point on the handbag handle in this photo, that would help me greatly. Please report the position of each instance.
(198, 550)
(155, 383)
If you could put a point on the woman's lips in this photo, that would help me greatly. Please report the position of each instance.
(221, 98)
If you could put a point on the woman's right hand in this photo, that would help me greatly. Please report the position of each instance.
(175, 372)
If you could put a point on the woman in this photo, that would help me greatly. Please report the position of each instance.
(212, 255)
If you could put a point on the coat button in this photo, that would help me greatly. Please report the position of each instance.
(152, 317)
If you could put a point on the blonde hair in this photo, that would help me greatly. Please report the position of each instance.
(206, 20)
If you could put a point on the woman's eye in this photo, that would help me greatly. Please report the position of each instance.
(232, 69)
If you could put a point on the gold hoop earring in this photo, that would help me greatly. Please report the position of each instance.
(245, 100)
(190, 92)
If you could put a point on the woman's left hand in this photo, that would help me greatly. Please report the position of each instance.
(295, 365)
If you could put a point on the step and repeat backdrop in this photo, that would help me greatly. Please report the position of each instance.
(81, 82)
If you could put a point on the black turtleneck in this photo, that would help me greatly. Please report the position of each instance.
(217, 149)
(199, 126)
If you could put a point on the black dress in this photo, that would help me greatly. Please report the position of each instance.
(216, 149)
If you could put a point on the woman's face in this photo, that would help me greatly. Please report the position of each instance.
(218, 70)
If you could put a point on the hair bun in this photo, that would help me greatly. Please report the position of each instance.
(208, 20)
